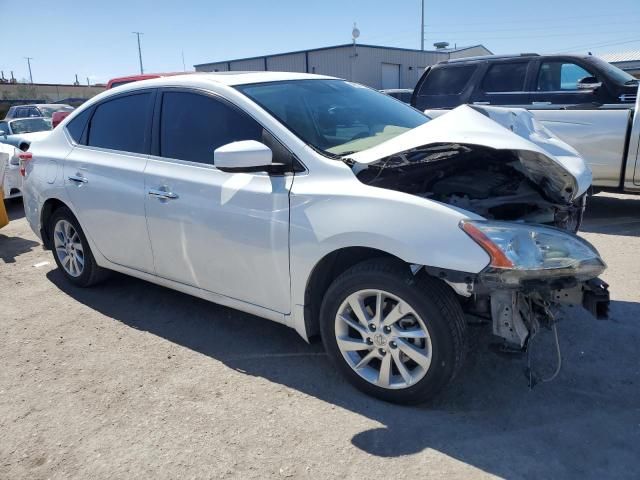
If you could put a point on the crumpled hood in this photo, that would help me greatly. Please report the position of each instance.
(543, 156)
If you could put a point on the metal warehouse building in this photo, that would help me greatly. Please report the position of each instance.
(376, 66)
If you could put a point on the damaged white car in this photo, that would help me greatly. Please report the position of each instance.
(328, 207)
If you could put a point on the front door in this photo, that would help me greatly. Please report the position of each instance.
(105, 179)
(557, 83)
(227, 233)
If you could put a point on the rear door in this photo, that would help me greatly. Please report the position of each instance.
(504, 83)
(223, 232)
(556, 83)
(104, 177)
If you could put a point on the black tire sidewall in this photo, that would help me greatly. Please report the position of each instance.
(90, 266)
(408, 288)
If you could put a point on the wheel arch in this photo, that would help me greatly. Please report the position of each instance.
(49, 207)
(327, 269)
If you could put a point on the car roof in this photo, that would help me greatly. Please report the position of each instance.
(224, 78)
(481, 58)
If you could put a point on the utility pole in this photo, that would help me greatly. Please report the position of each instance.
(139, 50)
(29, 65)
(184, 68)
(422, 28)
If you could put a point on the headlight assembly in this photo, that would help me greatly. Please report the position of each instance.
(521, 251)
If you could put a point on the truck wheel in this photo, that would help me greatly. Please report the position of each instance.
(71, 250)
(396, 336)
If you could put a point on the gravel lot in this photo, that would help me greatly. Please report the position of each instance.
(130, 380)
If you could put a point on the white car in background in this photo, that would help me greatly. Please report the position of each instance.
(326, 206)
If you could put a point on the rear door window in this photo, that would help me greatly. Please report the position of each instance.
(447, 80)
(122, 123)
(192, 126)
(505, 77)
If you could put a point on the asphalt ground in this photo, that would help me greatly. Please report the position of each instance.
(132, 380)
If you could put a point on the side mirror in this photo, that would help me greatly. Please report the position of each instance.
(3, 133)
(247, 155)
(589, 83)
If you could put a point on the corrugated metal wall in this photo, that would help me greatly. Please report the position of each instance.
(294, 62)
(360, 64)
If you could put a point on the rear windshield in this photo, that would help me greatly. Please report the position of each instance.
(49, 111)
(447, 80)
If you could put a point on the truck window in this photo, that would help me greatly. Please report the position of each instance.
(505, 77)
(447, 80)
(558, 76)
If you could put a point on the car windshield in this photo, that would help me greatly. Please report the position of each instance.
(335, 116)
(619, 75)
(28, 125)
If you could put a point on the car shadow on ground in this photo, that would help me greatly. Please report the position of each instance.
(613, 215)
(586, 422)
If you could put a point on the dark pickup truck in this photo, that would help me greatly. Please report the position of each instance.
(526, 80)
(585, 101)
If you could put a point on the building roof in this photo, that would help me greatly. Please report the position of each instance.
(444, 50)
(628, 56)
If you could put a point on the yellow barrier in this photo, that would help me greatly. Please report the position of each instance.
(4, 218)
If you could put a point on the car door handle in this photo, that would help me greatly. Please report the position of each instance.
(78, 179)
(482, 103)
(540, 103)
(162, 194)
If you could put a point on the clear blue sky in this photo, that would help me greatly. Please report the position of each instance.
(93, 37)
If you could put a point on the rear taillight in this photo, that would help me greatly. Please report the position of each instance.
(24, 158)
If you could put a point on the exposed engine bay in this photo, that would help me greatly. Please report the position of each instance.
(507, 186)
(489, 182)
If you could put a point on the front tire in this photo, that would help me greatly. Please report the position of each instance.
(395, 336)
(71, 250)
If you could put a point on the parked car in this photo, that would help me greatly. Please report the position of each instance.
(119, 81)
(524, 80)
(555, 90)
(19, 132)
(45, 110)
(57, 117)
(402, 94)
(326, 206)
(10, 178)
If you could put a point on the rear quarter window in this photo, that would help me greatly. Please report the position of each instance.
(447, 80)
(77, 126)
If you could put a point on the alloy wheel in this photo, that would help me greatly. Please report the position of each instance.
(383, 339)
(68, 248)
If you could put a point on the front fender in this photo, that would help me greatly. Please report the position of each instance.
(414, 229)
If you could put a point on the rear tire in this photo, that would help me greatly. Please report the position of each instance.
(71, 250)
(409, 351)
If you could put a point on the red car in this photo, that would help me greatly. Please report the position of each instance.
(58, 116)
(116, 82)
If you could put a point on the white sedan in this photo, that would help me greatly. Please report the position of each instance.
(326, 206)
